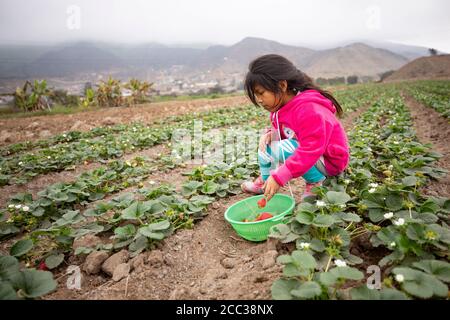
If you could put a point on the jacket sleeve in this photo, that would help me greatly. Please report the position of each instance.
(313, 132)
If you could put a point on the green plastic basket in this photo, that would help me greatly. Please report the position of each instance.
(279, 206)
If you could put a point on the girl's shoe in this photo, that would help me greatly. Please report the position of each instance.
(309, 186)
(255, 187)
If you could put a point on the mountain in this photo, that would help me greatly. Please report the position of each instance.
(408, 51)
(434, 67)
(70, 60)
(355, 59)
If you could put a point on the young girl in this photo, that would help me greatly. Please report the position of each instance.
(305, 136)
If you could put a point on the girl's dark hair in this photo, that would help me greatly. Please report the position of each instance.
(268, 70)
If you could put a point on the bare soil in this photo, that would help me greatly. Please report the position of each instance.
(433, 128)
(34, 128)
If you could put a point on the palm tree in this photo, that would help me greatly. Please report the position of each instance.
(32, 97)
(139, 90)
(109, 93)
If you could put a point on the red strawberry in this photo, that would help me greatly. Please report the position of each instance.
(262, 202)
(264, 216)
(42, 266)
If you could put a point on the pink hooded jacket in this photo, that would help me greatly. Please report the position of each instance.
(312, 118)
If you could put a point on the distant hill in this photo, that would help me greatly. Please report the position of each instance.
(407, 51)
(78, 58)
(433, 67)
(355, 59)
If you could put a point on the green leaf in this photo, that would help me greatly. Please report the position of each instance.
(54, 260)
(190, 188)
(307, 290)
(323, 220)
(9, 266)
(305, 217)
(347, 273)
(153, 207)
(317, 245)
(444, 233)
(304, 259)
(376, 215)
(409, 181)
(153, 231)
(327, 278)
(284, 259)
(420, 284)
(210, 187)
(34, 283)
(7, 292)
(158, 226)
(281, 289)
(349, 216)
(134, 212)
(6, 229)
(364, 293)
(334, 197)
(387, 235)
(306, 206)
(415, 231)
(71, 217)
(394, 202)
(138, 245)
(125, 232)
(21, 247)
(440, 269)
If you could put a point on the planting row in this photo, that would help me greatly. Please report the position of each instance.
(377, 197)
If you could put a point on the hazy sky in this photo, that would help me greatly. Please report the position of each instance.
(317, 23)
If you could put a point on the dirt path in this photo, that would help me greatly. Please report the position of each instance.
(34, 128)
(208, 262)
(432, 128)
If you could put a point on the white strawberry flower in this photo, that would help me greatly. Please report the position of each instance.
(388, 215)
(399, 222)
(152, 182)
(321, 203)
(305, 245)
(347, 181)
(340, 263)
(373, 185)
(392, 244)
(11, 206)
(26, 208)
(18, 206)
(372, 190)
(395, 142)
(399, 278)
(20, 163)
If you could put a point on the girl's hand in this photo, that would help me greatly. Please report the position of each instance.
(264, 141)
(271, 187)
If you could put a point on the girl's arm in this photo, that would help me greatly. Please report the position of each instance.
(313, 132)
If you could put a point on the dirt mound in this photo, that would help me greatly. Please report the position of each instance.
(435, 67)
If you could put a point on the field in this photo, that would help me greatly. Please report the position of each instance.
(114, 204)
